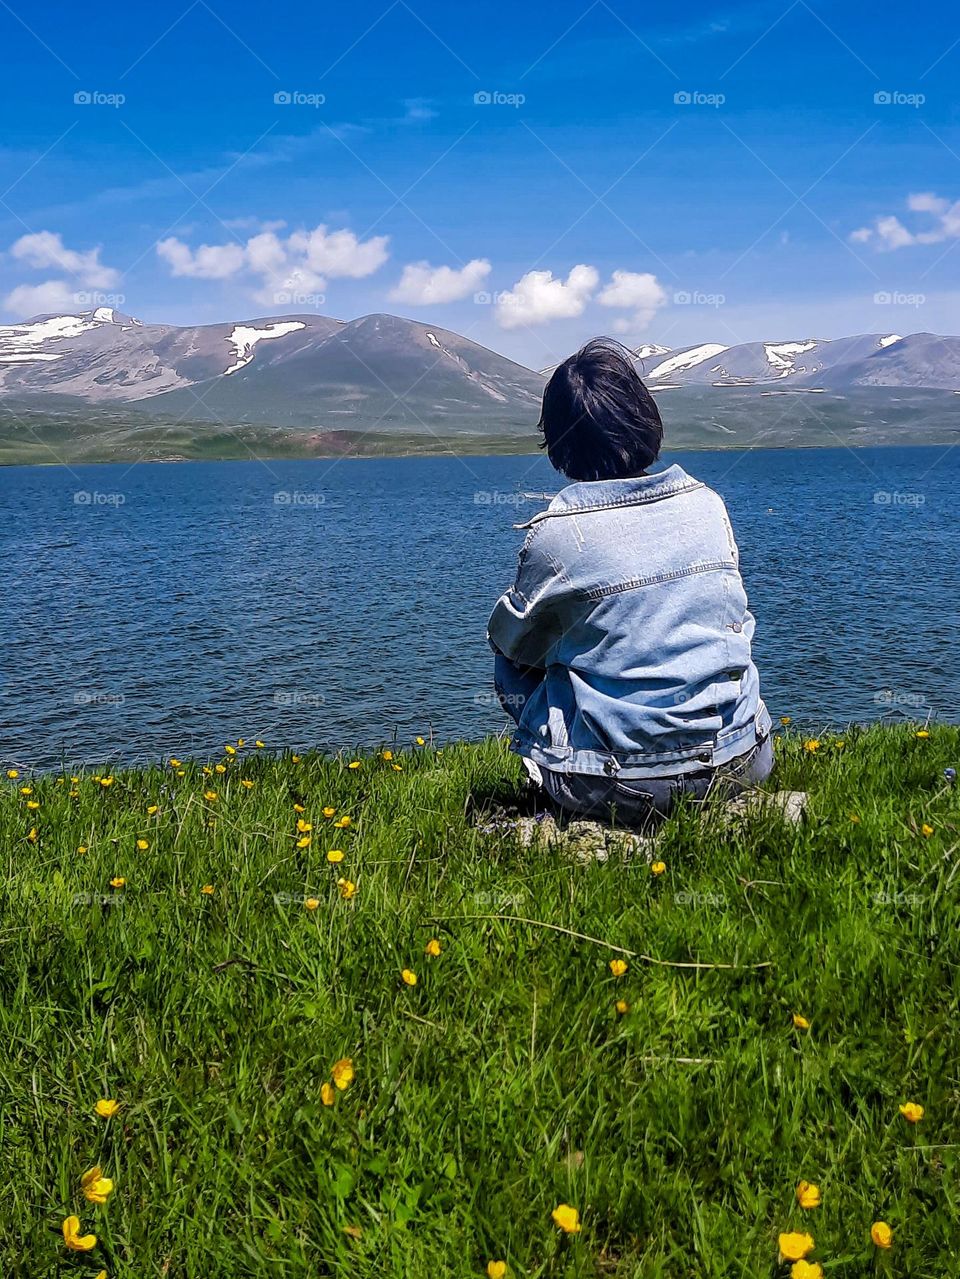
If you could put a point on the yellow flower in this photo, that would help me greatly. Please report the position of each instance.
(658, 868)
(229, 750)
(421, 741)
(567, 1218)
(101, 1274)
(312, 903)
(96, 1187)
(74, 1240)
(81, 848)
(303, 827)
(354, 763)
(32, 836)
(181, 772)
(174, 763)
(13, 772)
(327, 1094)
(840, 745)
(432, 947)
(106, 1107)
(343, 822)
(210, 795)
(207, 772)
(258, 744)
(801, 1023)
(926, 830)
(105, 781)
(808, 1195)
(246, 783)
(241, 741)
(397, 768)
(303, 841)
(496, 1269)
(74, 780)
(143, 844)
(347, 888)
(922, 733)
(912, 1112)
(812, 746)
(295, 758)
(118, 881)
(881, 1234)
(26, 790)
(794, 1246)
(409, 977)
(785, 720)
(335, 855)
(622, 1006)
(855, 818)
(207, 890)
(618, 967)
(806, 1270)
(328, 811)
(299, 808)
(33, 803)
(152, 808)
(388, 755)
(341, 1072)
(74, 794)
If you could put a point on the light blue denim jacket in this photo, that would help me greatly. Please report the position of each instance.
(623, 647)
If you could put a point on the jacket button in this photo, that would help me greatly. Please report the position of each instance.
(736, 628)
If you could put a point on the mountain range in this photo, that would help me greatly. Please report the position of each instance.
(102, 384)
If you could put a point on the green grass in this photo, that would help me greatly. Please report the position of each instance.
(504, 1082)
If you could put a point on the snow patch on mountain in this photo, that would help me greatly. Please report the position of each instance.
(780, 355)
(890, 339)
(687, 359)
(244, 338)
(649, 349)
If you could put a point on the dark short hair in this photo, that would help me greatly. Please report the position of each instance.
(599, 422)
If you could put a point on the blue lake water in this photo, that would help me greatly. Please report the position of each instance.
(169, 608)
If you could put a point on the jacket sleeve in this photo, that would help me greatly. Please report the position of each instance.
(526, 623)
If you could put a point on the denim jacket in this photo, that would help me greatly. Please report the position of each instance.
(623, 647)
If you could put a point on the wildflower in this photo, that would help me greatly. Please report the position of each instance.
(794, 1246)
(246, 783)
(421, 741)
(341, 1072)
(921, 734)
(397, 768)
(855, 818)
(432, 948)
(622, 1006)
(295, 759)
(74, 794)
(808, 1195)
(13, 773)
(258, 744)
(912, 1112)
(567, 1219)
(96, 1187)
(409, 977)
(658, 868)
(335, 856)
(181, 772)
(801, 1023)
(388, 755)
(342, 823)
(299, 808)
(839, 745)
(219, 768)
(241, 741)
(207, 890)
(106, 1107)
(327, 1094)
(174, 763)
(328, 811)
(32, 837)
(26, 790)
(806, 1270)
(151, 809)
(303, 841)
(618, 967)
(118, 882)
(210, 795)
(229, 750)
(105, 781)
(74, 780)
(207, 771)
(354, 763)
(926, 831)
(881, 1234)
(812, 746)
(303, 827)
(74, 1240)
(496, 1269)
(81, 848)
(33, 803)
(143, 845)
(347, 889)
(785, 720)
(312, 903)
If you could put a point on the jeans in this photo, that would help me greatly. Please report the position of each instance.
(640, 804)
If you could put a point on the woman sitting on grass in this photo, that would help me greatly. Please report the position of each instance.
(623, 647)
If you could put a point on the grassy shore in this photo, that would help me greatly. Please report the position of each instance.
(212, 992)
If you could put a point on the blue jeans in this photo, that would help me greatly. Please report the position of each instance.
(638, 804)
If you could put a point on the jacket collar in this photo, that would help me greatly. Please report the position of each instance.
(600, 495)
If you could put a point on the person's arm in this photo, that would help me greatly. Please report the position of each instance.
(514, 685)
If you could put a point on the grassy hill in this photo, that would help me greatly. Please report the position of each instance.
(174, 941)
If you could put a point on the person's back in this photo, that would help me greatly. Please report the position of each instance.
(623, 648)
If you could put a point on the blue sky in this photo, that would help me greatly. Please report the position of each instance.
(701, 173)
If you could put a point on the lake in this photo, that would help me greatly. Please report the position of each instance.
(160, 609)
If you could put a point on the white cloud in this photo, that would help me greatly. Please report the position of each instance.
(424, 285)
(301, 262)
(537, 297)
(637, 291)
(40, 299)
(888, 232)
(42, 249)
